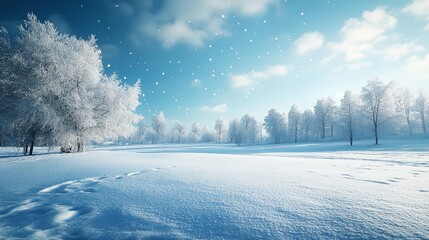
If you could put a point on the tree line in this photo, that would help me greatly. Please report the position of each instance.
(381, 109)
(53, 91)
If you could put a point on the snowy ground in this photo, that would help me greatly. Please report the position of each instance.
(219, 191)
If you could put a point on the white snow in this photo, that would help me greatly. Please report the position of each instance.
(206, 191)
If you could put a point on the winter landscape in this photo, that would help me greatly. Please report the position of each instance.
(220, 119)
(210, 191)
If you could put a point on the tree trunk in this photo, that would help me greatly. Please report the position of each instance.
(376, 134)
(351, 132)
(296, 133)
(323, 131)
(33, 140)
(80, 146)
(25, 149)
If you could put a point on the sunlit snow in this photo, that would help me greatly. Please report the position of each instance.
(206, 191)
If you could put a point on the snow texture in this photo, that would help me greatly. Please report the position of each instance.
(204, 191)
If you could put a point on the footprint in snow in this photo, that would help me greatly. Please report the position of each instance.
(38, 218)
(41, 217)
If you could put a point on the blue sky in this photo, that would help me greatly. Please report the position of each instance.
(201, 59)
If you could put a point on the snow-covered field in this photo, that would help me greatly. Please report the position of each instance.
(216, 191)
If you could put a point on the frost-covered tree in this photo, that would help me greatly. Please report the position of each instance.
(195, 131)
(275, 125)
(32, 66)
(220, 128)
(236, 132)
(207, 135)
(139, 136)
(249, 126)
(159, 127)
(6, 95)
(150, 136)
(180, 131)
(349, 112)
(306, 121)
(294, 117)
(421, 105)
(324, 115)
(60, 95)
(404, 101)
(113, 109)
(376, 104)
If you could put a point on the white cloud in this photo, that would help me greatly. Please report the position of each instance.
(220, 108)
(360, 36)
(255, 77)
(419, 8)
(309, 42)
(176, 32)
(358, 65)
(400, 50)
(419, 66)
(193, 21)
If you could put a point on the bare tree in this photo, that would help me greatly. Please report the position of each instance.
(376, 105)
(349, 110)
(220, 128)
(404, 103)
(323, 111)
